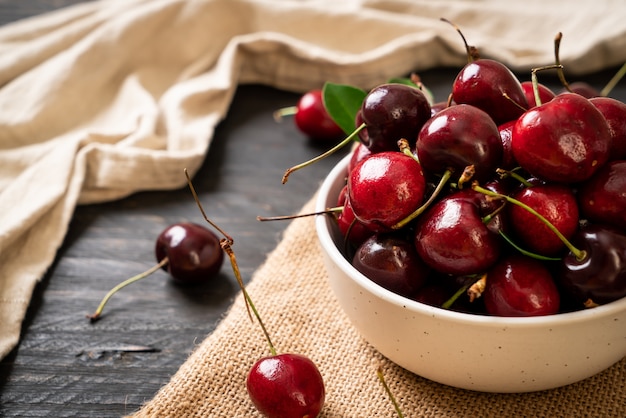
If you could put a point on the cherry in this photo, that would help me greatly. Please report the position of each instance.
(451, 236)
(520, 286)
(353, 230)
(194, 252)
(602, 198)
(311, 117)
(359, 153)
(391, 262)
(557, 204)
(385, 189)
(392, 112)
(614, 111)
(565, 140)
(545, 93)
(489, 85)
(581, 88)
(599, 275)
(286, 386)
(459, 136)
(508, 160)
(190, 253)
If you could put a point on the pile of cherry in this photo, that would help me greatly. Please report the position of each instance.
(507, 199)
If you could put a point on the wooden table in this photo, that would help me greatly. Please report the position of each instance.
(66, 366)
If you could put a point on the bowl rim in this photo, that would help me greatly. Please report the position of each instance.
(322, 222)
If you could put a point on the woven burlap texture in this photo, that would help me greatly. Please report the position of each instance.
(291, 292)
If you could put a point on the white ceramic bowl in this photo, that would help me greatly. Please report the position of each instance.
(475, 352)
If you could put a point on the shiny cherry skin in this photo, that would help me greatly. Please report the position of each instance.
(391, 262)
(600, 276)
(555, 202)
(350, 227)
(286, 386)
(452, 238)
(545, 94)
(614, 111)
(483, 83)
(392, 112)
(508, 160)
(313, 120)
(602, 198)
(193, 251)
(386, 188)
(520, 286)
(459, 136)
(565, 140)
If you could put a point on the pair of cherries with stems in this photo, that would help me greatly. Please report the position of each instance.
(285, 385)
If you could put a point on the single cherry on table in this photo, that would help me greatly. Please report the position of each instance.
(189, 252)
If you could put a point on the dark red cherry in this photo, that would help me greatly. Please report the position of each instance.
(360, 152)
(602, 198)
(286, 386)
(508, 160)
(545, 94)
(391, 262)
(193, 251)
(189, 252)
(386, 188)
(392, 112)
(599, 276)
(520, 286)
(491, 86)
(614, 111)
(459, 136)
(582, 88)
(452, 238)
(313, 120)
(350, 227)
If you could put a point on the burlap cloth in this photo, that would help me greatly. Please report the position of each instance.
(110, 97)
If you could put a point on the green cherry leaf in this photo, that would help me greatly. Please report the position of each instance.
(342, 102)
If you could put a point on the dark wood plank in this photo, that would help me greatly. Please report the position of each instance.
(65, 366)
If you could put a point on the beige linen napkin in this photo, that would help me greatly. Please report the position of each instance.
(110, 97)
(298, 308)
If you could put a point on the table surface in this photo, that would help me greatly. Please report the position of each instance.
(66, 366)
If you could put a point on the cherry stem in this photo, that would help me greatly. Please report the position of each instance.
(557, 61)
(535, 81)
(226, 245)
(513, 174)
(579, 254)
(285, 111)
(328, 211)
(442, 182)
(381, 378)
(472, 53)
(613, 81)
(448, 303)
(97, 314)
(477, 288)
(331, 151)
(526, 252)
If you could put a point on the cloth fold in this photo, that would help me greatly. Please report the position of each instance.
(291, 292)
(107, 98)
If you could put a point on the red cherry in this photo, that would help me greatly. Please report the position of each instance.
(602, 198)
(311, 117)
(545, 94)
(386, 188)
(452, 238)
(556, 203)
(286, 386)
(565, 140)
(614, 111)
(520, 286)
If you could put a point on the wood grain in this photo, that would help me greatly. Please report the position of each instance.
(64, 365)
